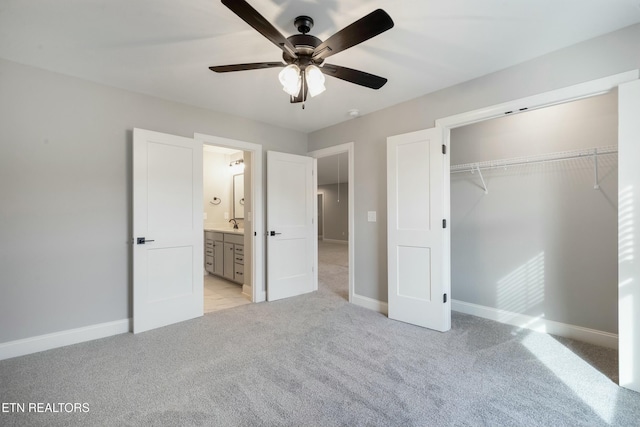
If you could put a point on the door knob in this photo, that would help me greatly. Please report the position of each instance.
(142, 240)
(273, 233)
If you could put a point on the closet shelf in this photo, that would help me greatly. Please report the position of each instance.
(542, 158)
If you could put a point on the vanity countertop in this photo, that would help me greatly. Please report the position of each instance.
(226, 230)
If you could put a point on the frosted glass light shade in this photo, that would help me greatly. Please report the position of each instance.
(315, 80)
(290, 79)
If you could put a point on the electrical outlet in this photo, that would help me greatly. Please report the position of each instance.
(204, 215)
(226, 215)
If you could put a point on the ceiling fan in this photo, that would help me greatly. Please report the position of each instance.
(304, 54)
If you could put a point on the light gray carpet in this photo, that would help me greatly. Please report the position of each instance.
(316, 360)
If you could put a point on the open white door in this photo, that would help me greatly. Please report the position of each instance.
(291, 234)
(167, 229)
(418, 293)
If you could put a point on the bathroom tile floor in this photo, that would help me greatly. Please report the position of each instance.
(220, 294)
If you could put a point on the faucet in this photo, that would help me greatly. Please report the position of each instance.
(235, 223)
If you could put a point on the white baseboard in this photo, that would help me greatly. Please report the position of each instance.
(60, 339)
(247, 291)
(342, 242)
(370, 303)
(592, 336)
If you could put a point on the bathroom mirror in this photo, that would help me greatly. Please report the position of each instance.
(238, 196)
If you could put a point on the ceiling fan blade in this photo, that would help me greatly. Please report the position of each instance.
(354, 76)
(243, 67)
(251, 16)
(363, 29)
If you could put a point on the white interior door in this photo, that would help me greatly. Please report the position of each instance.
(418, 292)
(291, 234)
(167, 216)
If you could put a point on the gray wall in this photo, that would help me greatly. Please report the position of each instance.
(543, 241)
(65, 193)
(217, 182)
(600, 57)
(336, 211)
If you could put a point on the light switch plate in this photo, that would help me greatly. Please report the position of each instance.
(371, 216)
(226, 215)
(204, 215)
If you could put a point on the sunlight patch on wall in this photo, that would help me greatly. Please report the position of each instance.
(625, 225)
(626, 304)
(523, 288)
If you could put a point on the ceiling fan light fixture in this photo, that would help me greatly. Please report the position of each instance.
(315, 80)
(290, 79)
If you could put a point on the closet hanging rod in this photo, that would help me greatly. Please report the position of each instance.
(544, 158)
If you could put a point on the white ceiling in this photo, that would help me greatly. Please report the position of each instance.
(164, 47)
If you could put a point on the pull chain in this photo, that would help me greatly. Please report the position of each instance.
(304, 80)
(338, 178)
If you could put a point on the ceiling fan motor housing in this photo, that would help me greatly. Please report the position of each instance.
(305, 45)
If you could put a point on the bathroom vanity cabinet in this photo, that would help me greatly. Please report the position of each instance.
(224, 254)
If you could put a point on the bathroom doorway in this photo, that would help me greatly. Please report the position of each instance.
(224, 223)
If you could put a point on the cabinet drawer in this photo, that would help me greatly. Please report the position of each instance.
(216, 236)
(208, 264)
(208, 252)
(239, 249)
(208, 243)
(239, 273)
(234, 238)
(238, 258)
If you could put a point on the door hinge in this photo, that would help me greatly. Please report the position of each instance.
(444, 223)
(444, 149)
(444, 298)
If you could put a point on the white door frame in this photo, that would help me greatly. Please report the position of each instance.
(629, 359)
(257, 216)
(332, 151)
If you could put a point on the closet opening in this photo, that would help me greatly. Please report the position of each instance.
(534, 227)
